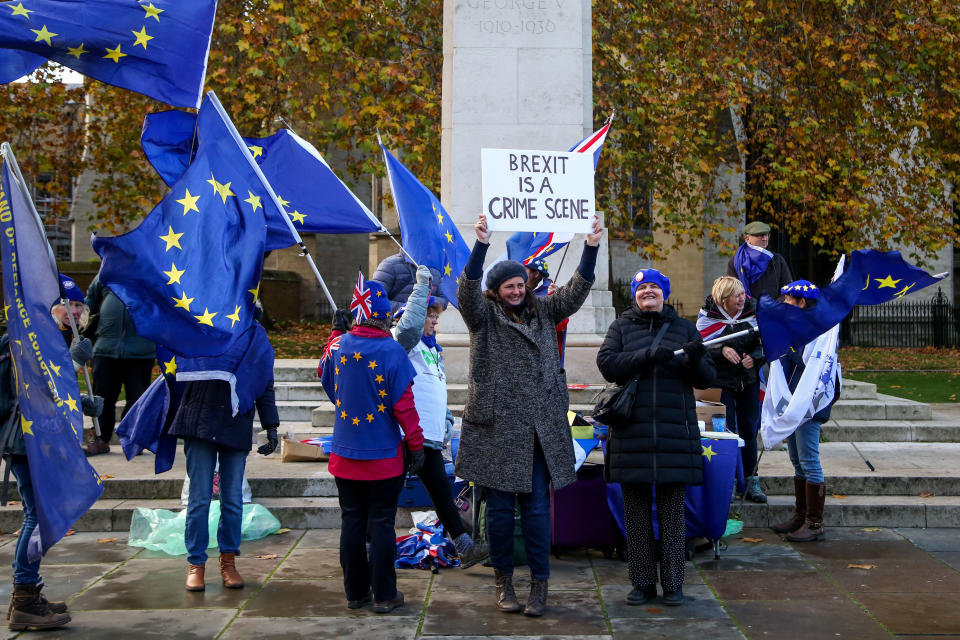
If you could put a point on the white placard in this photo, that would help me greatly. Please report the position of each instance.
(537, 190)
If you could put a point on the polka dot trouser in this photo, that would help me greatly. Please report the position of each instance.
(642, 549)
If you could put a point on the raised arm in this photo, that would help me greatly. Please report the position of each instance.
(410, 327)
(469, 295)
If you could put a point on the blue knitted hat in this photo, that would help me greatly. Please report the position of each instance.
(650, 275)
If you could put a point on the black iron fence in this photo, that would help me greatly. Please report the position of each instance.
(927, 323)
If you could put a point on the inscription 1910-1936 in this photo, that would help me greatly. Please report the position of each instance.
(529, 16)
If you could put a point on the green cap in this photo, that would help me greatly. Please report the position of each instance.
(756, 228)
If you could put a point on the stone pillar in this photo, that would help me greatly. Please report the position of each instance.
(517, 74)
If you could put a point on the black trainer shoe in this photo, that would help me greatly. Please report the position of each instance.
(642, 596)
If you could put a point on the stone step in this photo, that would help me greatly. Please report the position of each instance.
(884, 407)
(300, 391)
(293, 370)
(857, 390)
(323, 415)
(933, 430)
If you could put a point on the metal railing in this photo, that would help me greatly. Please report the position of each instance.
(926, 323)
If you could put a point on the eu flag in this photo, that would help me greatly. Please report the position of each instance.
(871, 278)
(426, 230)
(64, 483)
(156, 48)
(315, 199)
(190, 273)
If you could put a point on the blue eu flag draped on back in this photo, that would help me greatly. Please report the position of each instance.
(870, 278)
(64, 483)
(427, 231)
(315, 199)
(190, 273)
(156, 48)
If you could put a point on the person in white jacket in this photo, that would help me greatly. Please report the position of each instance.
(416, 331)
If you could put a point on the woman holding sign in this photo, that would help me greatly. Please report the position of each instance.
(516, 440)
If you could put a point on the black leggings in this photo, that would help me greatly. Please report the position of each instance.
(109, 374)
(434, 478)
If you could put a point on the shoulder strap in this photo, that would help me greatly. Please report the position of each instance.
(662, 332)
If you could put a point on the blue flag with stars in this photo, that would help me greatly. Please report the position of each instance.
(870, 278)
(315, 199)
(427, 232)
(65, 485)
(156, 48)
(190, 273)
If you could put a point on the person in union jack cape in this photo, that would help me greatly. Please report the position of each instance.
(368, 377)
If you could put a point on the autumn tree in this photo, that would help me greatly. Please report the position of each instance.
(846, 110)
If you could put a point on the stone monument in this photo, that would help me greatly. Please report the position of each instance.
(517, 74)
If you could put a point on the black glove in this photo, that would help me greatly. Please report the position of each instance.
(693, 351)
(81, 350)
(342, 319)
(271, 445)
(660, 355)
(92, 406)
(415, 461)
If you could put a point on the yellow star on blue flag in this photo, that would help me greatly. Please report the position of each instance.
(158, 49)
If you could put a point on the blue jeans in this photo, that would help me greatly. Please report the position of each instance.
(25, 572)
(201, 460)
(534, 521)
(803, 445)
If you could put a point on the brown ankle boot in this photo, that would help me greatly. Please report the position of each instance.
(800, 512)
(30, 611)
(537, 602)
(506, 596)
(195, 577)
(812, 528)
(228, 570)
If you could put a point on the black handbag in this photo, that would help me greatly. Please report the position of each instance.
(615, 402)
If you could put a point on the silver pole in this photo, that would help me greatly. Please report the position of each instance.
(11, 158)
(721, 339)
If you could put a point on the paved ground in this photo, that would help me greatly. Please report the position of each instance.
(907, 586)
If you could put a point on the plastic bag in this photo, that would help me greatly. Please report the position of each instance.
(163, 530)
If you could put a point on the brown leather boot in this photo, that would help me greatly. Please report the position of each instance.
(812, 528)
(228, 570)
(537, 602)
(195, 577)
(506, 596)
(30, 611)
(800, 512)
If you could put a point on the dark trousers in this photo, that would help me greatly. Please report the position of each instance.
(743, 418)
(434, 478)
(109, 375)
(534, 521)
(368, 509)
(641, 546)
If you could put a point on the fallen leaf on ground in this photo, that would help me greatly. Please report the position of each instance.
(16, 533)
(69, 533)
(752, 539)
(894, 386)
(106, 476)
(102, 540)
(838, 495)
(267, 556)
(283, 530)
(13, 502)
(926, 494)
(654, 610)
(872, 529)
(856, 565)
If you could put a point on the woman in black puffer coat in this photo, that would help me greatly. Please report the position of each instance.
(660, 443)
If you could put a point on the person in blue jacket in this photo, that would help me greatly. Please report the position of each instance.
(803, 445)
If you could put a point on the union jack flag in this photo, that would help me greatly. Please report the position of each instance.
(360, 304)
(333, 345)
(594, 142)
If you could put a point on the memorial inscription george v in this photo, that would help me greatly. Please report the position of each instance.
(555, 21)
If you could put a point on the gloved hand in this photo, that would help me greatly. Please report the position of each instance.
(92, 406)
(272, 441)
(660, 355)
(415, 461)
(81, 350)
(448, 433)
(342, 320)
(693, 351)
(423, 274)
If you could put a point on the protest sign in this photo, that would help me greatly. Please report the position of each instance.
(537, 190)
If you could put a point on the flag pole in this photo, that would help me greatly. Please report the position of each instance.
(393, 192)
(12, 159)
(721, 339)
(304, 252)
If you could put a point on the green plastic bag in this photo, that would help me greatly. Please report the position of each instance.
(163, 530)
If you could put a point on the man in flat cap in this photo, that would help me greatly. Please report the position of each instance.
(760, 270)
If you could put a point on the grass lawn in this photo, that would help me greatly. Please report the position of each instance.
(919, 386)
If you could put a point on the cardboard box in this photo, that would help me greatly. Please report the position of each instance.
(707, 410)
(707, 395)
(293, 451)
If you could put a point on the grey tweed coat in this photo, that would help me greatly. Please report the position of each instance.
(516, 389)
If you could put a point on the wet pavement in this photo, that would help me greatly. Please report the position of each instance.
(861, 583)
